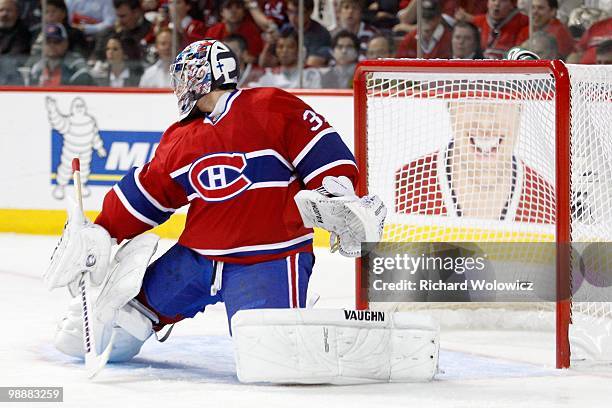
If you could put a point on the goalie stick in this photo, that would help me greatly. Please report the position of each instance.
(92, 333)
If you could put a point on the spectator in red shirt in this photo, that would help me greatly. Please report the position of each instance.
(270, 16)
(436, 35)
(499, 27)
(586, 47)
(233, 21)
(276, 10)
(463, 10)
(473, 7)
(189, 28)
(543, 14)
(449, 7)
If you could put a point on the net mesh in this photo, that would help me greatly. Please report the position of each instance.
(591, 152)
(471, 157)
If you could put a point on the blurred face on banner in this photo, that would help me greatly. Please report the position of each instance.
(499, 9)
(484, 133)
(542, 13)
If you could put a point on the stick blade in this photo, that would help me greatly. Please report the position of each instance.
(94, 363)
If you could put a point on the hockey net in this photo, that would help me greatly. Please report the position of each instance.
(495, 151)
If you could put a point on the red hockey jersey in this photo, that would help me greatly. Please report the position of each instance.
(423, 187)
(238, 173)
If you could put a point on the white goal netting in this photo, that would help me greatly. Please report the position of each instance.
(472, 157)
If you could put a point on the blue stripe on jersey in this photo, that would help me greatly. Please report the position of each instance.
(266, 168)
(328, 149)
(139, 201)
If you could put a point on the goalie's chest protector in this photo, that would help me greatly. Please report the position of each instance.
(238, 172)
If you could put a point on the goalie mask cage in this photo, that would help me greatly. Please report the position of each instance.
(550, 123)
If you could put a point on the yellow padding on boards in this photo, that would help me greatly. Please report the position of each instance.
(394, 232)
(532, 245)
(51, 222)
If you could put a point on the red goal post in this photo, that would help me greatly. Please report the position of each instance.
(562, 102)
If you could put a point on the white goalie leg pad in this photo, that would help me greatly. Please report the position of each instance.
(125, 278)
(306, 346)
(111, 308)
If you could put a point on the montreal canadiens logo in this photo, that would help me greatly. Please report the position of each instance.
(219, 176)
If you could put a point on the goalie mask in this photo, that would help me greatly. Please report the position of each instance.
(520, 54)
(200, 68)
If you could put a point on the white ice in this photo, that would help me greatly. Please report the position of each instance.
(195, 367)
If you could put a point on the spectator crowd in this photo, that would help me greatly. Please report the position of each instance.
(131, 43)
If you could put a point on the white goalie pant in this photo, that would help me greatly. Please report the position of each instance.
(318, 346)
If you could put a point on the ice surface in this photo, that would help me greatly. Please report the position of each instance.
(195, 367)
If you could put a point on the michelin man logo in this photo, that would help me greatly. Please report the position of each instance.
(80, 135)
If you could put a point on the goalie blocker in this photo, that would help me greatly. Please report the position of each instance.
(318, 346)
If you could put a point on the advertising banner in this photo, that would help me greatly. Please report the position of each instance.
(111, 131)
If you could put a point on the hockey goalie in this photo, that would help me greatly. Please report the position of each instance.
(258, 168)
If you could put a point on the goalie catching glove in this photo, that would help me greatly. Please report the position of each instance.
(350, 220)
